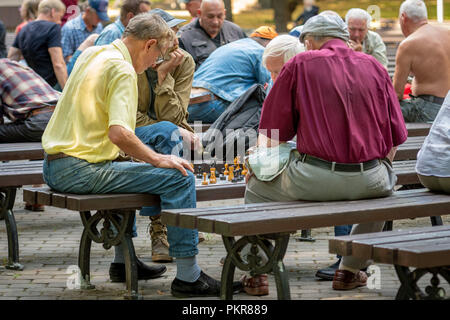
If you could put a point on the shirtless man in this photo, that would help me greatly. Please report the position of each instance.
(424, 54)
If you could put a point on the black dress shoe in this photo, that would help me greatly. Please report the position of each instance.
(205, 286)
(328, 273)
(145, 272)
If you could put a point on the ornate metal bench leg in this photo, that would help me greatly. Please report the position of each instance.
(84, 253)
(305, 236)
(7, 198)
(253, 261)
(388, 225)
(281, 275)
(436, 221)
(409, 288)
(130, 257)
(226, 290)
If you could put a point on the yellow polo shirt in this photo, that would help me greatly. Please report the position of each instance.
(100, 92)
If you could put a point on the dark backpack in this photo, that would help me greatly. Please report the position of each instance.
(238, 126)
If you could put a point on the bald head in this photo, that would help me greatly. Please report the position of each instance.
(212, 16)
(207, 3)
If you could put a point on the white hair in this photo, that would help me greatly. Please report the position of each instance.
(416, 10)
(285, 45)
(359, 14)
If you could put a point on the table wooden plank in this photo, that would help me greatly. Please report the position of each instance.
(424, 256)
(418, 129)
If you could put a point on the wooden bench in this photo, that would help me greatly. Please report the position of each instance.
(425, 249)
(21, 151)
(256, 224)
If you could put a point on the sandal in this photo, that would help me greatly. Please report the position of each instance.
(256, 286)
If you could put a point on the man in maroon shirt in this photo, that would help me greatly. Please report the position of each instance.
(344, 110)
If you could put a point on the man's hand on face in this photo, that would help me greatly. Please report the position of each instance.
(173, 162)
(355, 45)
(176, 58)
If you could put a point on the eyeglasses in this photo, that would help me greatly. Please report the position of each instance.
(160, 57)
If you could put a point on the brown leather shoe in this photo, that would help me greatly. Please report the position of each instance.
(256, 286)
(34, 207)
(346, 280)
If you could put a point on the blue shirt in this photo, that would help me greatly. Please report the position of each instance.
(73, 33)
(112, 32)
(232, 69)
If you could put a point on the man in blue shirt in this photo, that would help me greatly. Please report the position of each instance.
(227, 73)
(128, 10)
(75, 31)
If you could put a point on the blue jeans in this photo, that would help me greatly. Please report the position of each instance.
(163, 137)
(74, 175)
(208, 111)
(342, 231)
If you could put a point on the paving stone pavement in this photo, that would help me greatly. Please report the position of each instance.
(49, 247)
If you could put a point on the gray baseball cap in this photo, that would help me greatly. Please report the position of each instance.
(325, 26)
(168, 18)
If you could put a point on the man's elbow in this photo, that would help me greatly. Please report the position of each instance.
(116, 134)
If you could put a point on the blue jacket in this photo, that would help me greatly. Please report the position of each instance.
(232, 69)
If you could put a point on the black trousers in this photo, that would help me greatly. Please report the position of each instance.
(29, 130)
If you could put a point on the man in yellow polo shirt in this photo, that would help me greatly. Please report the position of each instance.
(95, 119)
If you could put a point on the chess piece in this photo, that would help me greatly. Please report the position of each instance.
(213, 179)
(226, 172)
(236, 163)
(204, 182)
(244, 169)
(231, 174)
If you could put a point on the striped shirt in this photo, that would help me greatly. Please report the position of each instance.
(74, 33)
(23, 90)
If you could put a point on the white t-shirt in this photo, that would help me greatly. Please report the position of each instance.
(434, 156)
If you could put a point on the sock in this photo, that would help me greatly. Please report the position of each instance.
(118, 254)
(187, 269)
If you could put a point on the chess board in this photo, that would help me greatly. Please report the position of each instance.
(204, 173)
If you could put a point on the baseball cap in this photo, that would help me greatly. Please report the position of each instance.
(265, 33)
(101, 7)
(168, 18)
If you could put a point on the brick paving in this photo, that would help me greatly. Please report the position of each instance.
(49, 247)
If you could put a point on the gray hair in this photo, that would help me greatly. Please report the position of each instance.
(285, 45)
(359, 14)
(416, 10)
(46, 6)
(328, 26)
(146, 26)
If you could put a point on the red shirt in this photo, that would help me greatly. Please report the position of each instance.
(340, 103)
(72, 10)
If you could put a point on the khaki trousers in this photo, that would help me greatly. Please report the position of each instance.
(438, 184)
(302, 181)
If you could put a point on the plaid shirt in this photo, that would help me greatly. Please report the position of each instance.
(22, 90)
(74, 33)
(111, 32)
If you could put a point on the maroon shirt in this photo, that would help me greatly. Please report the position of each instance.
(340, 103)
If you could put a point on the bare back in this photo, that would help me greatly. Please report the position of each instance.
(426, 53)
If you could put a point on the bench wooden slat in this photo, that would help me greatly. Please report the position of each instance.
(310, 215)
(420, 247)
(343, 245)
(21, 151)
(187, 218)
(390, 253)
(364, 248)
(320, 217)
